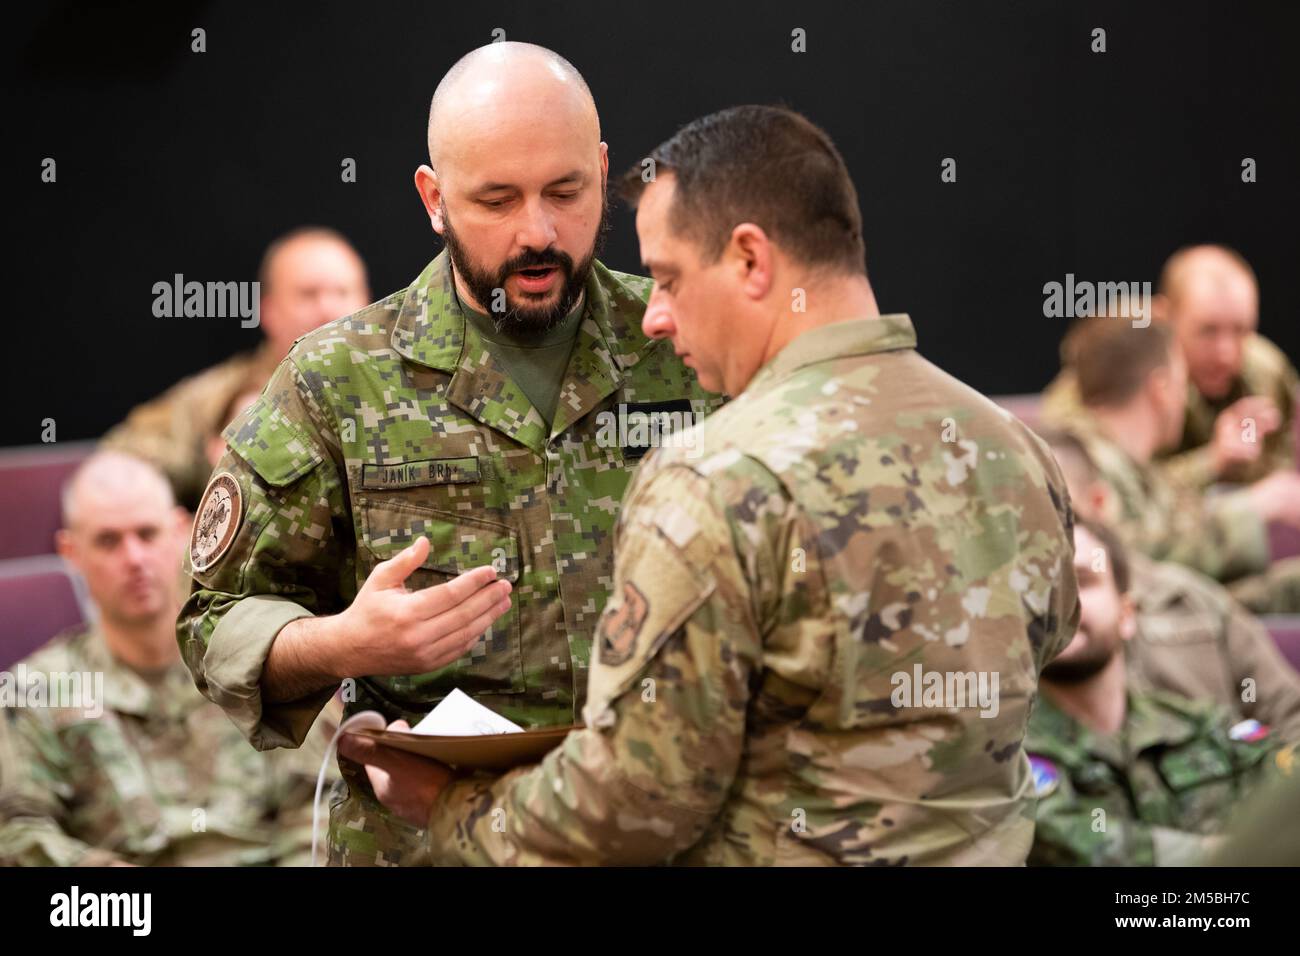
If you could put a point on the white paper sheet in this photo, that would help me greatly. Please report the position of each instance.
(459, 715)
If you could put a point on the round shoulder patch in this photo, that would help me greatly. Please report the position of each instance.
(216, 521)
(1046, 777)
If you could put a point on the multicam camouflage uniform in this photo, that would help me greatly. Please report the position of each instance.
(398, 421)
(1158, 793)
(741, 708)
(172, 430)
(159, 778)
(1220, 535)
(1265, 371)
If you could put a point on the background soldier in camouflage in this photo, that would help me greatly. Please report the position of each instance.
(308, 277)
(768, 596)
(151, 773)
(1133, 383)
(1126, 778)
(422, 437)
(1193, 640)
(1239, 421)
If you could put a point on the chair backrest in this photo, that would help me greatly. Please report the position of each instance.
(1285, 630)
(39, 598)
(31, 479)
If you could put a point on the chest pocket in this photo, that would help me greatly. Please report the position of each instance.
(1195, 764)
(457, 543)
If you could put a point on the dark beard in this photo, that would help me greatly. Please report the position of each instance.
(520, 319)
(1081, 668)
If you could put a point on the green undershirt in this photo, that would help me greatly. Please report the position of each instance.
(536, 365)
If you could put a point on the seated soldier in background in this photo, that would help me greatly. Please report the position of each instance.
(1192, 639)
(308, 277)
(1133, 390)
(1238, 424)
(1125, 777)
(139, 769)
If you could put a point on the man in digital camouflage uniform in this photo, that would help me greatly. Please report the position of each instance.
(1238, 425)
(120, 760)
(857, 517)
(1126, 777)
(487, 417)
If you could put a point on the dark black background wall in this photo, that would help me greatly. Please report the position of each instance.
(1068, 161)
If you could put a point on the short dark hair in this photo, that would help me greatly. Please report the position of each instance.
(1111, 358)
(762, 164)
(1070, 453)
(1119, 566)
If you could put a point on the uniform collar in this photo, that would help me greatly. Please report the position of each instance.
(887, 333)
(126, 692)
(431, 330)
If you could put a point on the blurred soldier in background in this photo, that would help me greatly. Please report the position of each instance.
(1192, 638)
(308, 277)
(1238, 423)
(1133, 389)
(1124, 777)
(140, 768)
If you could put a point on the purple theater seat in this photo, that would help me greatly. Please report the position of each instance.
(38, 599)
(30, 481)
(1285, 630)
(1024, 407)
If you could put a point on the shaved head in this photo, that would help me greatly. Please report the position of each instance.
(107, 477)
(123, 533)
(507, 82)
(1202, 268)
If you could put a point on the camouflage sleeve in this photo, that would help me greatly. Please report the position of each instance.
(1192, 469)
(1274, 692)
(1279, 447)
(34, 784)
(1221, 536)
(290, 554)
(1070, 831)
(665, 719)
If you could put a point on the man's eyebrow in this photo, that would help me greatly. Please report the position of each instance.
(651, 265)
(572, 176)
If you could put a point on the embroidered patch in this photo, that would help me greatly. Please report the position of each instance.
(619, 629)
(216, 522)
(1046, 777)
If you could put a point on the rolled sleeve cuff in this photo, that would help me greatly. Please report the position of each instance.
(233, 667)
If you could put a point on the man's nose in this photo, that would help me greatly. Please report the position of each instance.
(657, 323)
(537, 230)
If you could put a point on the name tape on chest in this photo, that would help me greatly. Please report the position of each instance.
(411, 474)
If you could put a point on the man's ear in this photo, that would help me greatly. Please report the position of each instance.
(1098, 500)
(1127, 618)
(750, 251)
(1160, 307)
(66, 546)
(430, 190)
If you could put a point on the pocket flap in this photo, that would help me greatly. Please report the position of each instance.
(457, 543)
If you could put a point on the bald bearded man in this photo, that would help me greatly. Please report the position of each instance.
(423, 499)
(1238, 426)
